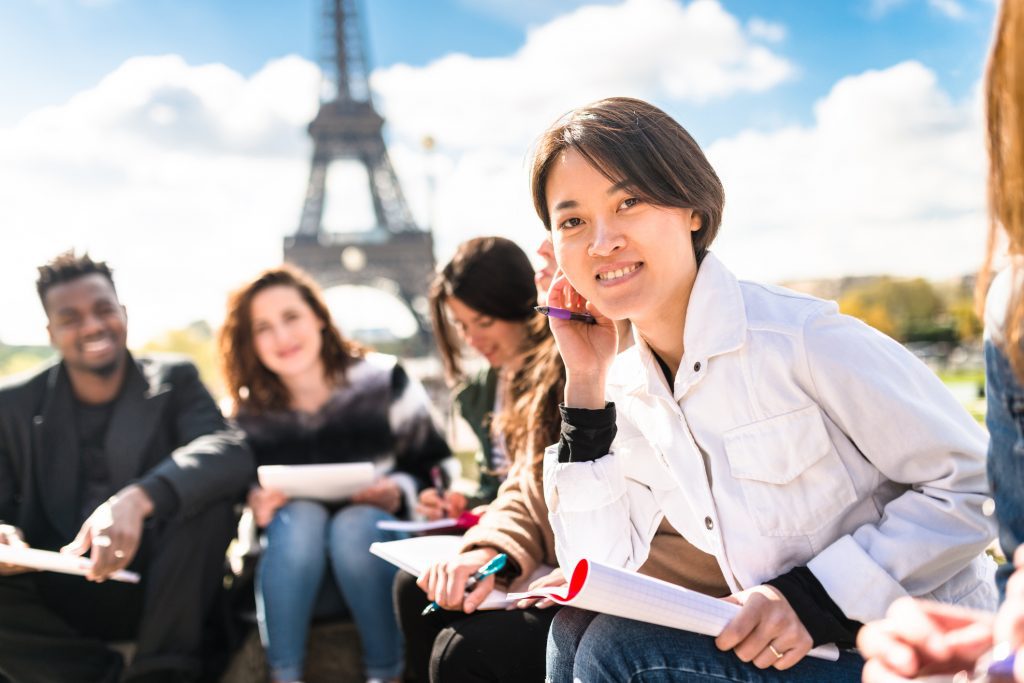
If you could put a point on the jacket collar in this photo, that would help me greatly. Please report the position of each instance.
(716, 323)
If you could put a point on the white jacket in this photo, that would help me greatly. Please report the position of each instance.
(794, 436)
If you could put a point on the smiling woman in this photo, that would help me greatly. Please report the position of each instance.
(304, 394)
(793, 444)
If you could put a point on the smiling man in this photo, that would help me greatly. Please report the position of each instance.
(127, 461)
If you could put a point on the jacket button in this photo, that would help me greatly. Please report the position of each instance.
(708, 523)
(696, 366)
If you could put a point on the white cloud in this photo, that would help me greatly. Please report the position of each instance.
(656, 49)
(770, 31)
(185, 178)
(890, 178)
(951, 8)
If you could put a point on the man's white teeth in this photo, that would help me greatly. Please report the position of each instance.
(616, 274)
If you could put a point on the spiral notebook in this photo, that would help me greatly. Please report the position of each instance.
(600, 588)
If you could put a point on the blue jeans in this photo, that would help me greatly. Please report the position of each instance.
(293, 586)
(1005, 422)
(599, 648)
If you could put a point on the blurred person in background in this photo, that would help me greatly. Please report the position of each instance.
(482, 298)
(304, 394)
(128, 459)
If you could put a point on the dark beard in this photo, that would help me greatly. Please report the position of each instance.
(109, 370)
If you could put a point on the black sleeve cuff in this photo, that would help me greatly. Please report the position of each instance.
(816, 610)
(165, 500)
(586, 434)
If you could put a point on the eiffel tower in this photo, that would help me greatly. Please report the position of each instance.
(396, 254)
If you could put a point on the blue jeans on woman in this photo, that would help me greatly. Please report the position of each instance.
(293, 585)
(1005, 421)
(599, 648)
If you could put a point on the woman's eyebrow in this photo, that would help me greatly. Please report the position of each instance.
(567, 204)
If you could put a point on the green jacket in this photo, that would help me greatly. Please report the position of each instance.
(475, 402)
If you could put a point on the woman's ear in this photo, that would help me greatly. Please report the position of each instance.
(696, 222)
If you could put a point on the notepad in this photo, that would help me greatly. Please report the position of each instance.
(610, 590)
(47, 560)
(329, 483)
(455, 525)
(416, 555)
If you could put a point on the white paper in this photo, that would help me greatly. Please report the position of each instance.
(50, 561)
(416, 555)
(413, 526)
(610, 590)
(329, 483)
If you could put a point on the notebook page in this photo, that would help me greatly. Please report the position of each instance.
(615, 591)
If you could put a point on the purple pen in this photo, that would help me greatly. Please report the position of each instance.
(563, 314)
(1001, 669)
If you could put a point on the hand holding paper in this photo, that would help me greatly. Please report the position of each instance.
(610, 590)
(11, 536)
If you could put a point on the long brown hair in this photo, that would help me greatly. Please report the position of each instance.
(252, 387)
(633, 142)
(1004, 99)
(491, 275)
(529, 419)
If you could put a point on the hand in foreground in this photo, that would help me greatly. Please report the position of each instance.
(11, 535)
(555, 578)
(921, 638)
(383, 493)
(766, 631)
(264, 504)
(113, 532)
(1008, 627)
(445, 582)
(433, 506)
(587, 350)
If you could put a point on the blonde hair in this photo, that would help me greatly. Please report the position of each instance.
(1004, 99)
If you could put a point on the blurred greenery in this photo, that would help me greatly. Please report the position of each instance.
(915, 310)
(18, 359)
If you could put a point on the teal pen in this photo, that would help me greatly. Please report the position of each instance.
(496, 564)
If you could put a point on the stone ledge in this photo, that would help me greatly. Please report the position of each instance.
(333, 655)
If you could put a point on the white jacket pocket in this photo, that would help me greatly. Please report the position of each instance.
(791, 475)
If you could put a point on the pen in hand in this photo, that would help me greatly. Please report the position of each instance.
(564, 314)
(495, 565)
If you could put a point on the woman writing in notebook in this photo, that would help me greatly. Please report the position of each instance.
(304, 394)
(483, 297)
(826, 469)
(461, 643)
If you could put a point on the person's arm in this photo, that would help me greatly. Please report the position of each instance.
(907, 424)
(595, 510)
(213, 461)
(510, 527)
(419, 445)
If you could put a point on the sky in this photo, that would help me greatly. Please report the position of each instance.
(168, 136)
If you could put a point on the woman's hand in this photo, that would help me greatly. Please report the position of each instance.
(383, 493)
(587, 350)
(555, 578)
(765, 628)
(923, 638)
(433, 506)
(445, 582)
(264, 504)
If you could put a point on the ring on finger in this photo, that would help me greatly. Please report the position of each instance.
(119, 554)
(778, 655)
